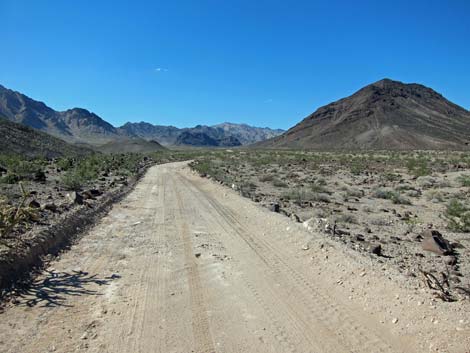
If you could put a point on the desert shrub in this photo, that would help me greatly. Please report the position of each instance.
(247, 188)
(358, 166)
(391, 176)
(72, 180)
(318, 186)
(418, 166)
(464, 180)
(347, 218)
(279, 183)
(458, 216)
(354, 193)
(9, 179)
(394, 196)
(11, 215)
(434, 195)
(65, 163)
(266, 177)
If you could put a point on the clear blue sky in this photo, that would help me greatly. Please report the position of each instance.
(267, 63)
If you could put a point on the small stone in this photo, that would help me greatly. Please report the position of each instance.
(197, 255)
(275, 207)
(295, 218)
(305, 247)
(395, 320)
(50, 207)
(451, 261)
(34, 204)
(376, 249)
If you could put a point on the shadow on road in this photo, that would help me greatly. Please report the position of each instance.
(54, 290)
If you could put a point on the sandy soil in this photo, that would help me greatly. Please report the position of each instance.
(185, 265)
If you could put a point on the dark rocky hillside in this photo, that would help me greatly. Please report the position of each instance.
(134, 145)
(23, 140)
(202, 139)
(384, 115)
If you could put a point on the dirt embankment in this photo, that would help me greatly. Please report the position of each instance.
(57, 228)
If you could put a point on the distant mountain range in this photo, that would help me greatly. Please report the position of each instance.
(226, 134)
(81, 126)
(387, 115)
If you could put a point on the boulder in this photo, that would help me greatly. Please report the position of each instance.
(275, 207)
(75, 198)
(433, 241)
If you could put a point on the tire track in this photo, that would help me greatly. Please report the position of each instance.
(321, 308)
(200, 322)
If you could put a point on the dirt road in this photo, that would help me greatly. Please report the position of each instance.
(185, 265)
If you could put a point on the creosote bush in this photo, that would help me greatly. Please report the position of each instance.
(458, 216)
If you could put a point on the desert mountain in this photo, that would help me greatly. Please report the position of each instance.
(384, 115)
(20, 139)
(73, 125)
(81, 126)
(226, 134)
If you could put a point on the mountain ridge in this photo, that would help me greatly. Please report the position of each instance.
(79, 125)
(386, 114)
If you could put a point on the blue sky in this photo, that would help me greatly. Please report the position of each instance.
(267, 63)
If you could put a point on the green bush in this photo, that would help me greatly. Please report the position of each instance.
(394, 196)
(418, 166)
(458, 216)
(464, 180)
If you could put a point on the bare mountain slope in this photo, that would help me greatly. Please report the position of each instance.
(384, 115)
(78, 125)
(20, 139)
(73, 125)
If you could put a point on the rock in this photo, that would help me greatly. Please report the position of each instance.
(50, 207)
(342, 232)
(95, 192)
(451, 261)
(87, 195)
(75, 198)
(309, 224)
(275, 207)
(306, 247)
(376, 249)
(395, 320)
(3, 170)
(360, 237)
(197, 254)
(34, 204)
(295, 218)
(433, 241)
